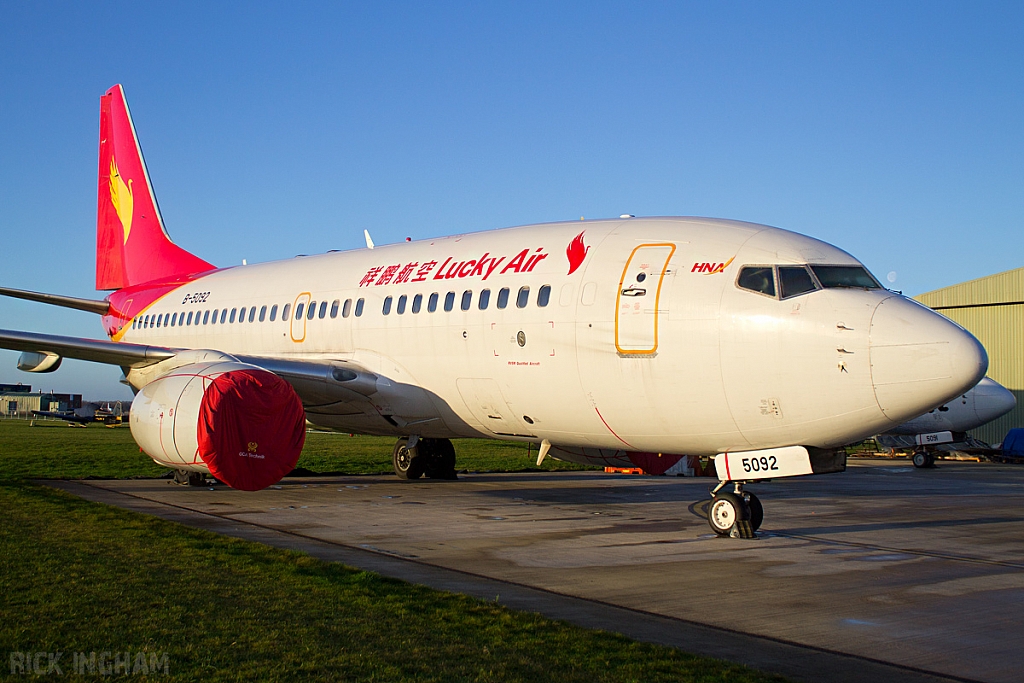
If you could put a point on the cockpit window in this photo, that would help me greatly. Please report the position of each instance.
(845, 276)
(794, 280)
(758, 279)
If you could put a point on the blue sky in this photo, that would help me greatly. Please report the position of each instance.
(892, 130)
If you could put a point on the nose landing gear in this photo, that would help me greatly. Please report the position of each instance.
(738, 514)
(923, 457)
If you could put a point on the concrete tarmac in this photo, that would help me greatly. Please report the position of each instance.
(883, 572)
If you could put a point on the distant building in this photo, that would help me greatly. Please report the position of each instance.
(16, 401)
(992, 309)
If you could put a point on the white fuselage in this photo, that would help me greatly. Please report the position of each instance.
(648, 345)
(979, 406)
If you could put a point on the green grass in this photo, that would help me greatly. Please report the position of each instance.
(52, 450)
(77, 576)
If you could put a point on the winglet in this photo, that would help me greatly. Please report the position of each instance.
(369, 242)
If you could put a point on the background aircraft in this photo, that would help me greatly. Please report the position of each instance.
(949, 422)
(89, 412)
(602, 341)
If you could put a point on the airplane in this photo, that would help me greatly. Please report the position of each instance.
(605, 342)
(88, 413)
(950, 422)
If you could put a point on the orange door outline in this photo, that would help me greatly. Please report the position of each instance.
(298, 324)
(657, 296)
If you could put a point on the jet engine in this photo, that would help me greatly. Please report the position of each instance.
(242, 424)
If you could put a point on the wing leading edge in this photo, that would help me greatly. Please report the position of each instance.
(96, 350)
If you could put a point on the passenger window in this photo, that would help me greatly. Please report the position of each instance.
(241, 314)
(206, 316)
(174, 319)
(503, 297)
(856, 277)
(159, 319)
(252, 314)
(284, 312)
(759, 279)
(400, 309)
(543, 295)
(432, 303)
(485, 298)
(298, 310)
(387, 305)
(359, 308)
(273, 313)
(335, 305)
(263, 313)
(189, 318)
(232, 318)
(523, 297)
(417, 303)
(589, 294)
(311, 310)
(214, 320)
(449, 301)
(347, 308)
(467, 299)
(565, 297)
(223, 315)
(794, 280)
(323, 310)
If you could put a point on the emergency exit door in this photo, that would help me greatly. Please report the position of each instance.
(298, 313)
(638, 298)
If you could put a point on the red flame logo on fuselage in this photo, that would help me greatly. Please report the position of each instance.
(576, 252)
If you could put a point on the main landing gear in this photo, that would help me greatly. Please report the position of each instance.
(189, 478)
(923, 457)
(738, 514)
(414, 457)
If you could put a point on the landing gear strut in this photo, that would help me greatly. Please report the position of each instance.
(189, 478)
(738, 514)
(432, 457)
(923, 457)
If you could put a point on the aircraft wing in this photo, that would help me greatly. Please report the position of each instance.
(320, 384)
(97, 350)
(67, 417)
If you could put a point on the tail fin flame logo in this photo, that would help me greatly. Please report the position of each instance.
(576, 252)
(121, 198)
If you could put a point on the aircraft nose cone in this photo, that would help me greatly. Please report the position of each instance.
(992, 400)
(919, 359)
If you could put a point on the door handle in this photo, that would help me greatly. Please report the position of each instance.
(630, 291)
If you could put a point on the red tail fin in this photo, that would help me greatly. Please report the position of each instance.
(132, 246)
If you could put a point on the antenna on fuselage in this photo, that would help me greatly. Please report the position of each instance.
(369, 242)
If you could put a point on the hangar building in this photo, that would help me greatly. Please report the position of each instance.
(992, 309)
(18, 400)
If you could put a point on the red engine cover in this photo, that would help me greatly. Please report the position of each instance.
(251, 428)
